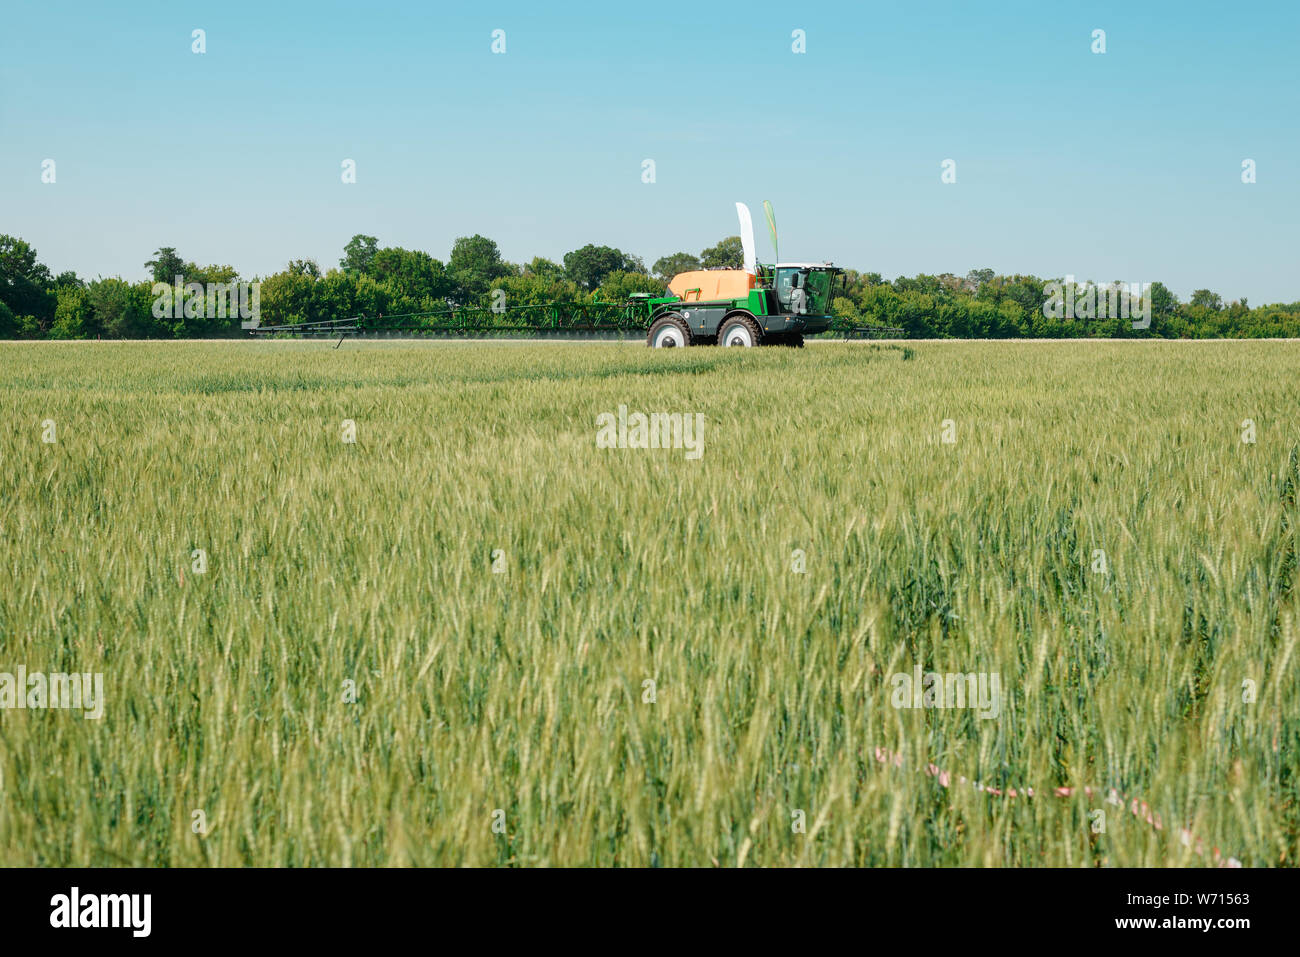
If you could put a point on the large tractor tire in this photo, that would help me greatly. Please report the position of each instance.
(668, 332)
(740, 331)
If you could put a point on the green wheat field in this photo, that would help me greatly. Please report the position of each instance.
(473, 637)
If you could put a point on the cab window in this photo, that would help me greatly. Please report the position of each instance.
(784, 283)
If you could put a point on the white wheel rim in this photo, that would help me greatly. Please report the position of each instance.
(738, 335)
(669, 336)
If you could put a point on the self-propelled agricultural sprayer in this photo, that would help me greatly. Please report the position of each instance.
(757, 304)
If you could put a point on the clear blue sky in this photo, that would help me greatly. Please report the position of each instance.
(1121, 166)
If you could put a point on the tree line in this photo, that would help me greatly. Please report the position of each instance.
(374, 281)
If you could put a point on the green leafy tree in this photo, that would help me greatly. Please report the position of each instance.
(337, 296)
(1163, 301)
(1207, 299)
(359, 253)
(666, 267)
(411, 274)
(166, 265)
(621, 284)
(843, 308)
(544, 268)
(589, 265)
(121, 310)
(210, 273)
(289, 297)
(25, 284)
(74, 317)
(531, 289)
(729, 253)
(221, 296)
(350, 295)
(303, 267)
(475, 264)
(921, 283)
